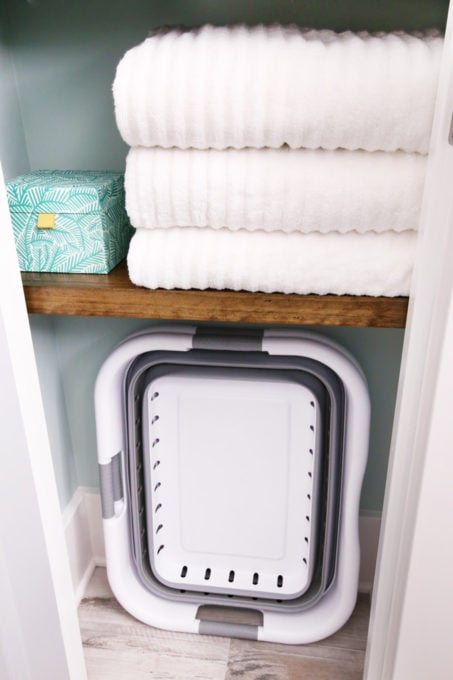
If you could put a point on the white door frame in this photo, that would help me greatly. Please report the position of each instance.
(411, 506)
(39, 631)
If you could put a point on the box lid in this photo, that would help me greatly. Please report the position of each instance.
(65, 191)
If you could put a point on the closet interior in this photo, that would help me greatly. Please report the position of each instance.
(56, 112)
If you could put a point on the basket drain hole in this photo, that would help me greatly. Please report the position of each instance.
(256, 578)
(184, 572)
(279, 581)
(207, 574)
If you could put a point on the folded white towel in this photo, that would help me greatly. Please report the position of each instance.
(274, 189)
(357, 264)
(265, 86)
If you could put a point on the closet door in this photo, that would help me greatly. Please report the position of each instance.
(39, 633)
(410, 622)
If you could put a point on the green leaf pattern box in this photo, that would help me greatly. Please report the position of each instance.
(69, 221)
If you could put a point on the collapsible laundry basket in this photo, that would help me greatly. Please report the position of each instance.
(231, 467)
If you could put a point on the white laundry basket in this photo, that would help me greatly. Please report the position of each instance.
(231, 465)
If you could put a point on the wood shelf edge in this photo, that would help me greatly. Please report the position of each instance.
(114, 295)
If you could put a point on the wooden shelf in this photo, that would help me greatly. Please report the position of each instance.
(114, 295)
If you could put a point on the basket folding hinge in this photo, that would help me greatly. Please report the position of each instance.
(111, 484)
(246, 340)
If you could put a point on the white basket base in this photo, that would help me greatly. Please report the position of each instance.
(231, 468)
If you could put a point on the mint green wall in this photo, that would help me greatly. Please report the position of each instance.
(13, 152)
(57, 416)
(65, 54)
(378, 351)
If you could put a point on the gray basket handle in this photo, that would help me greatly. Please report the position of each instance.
(238, 340)
(229, 621)
(111, 485)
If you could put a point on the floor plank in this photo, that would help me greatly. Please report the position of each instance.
(290, 667)
(118, 647)
(339, 657)
(120, 653)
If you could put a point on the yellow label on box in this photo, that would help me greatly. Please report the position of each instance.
(46, 220)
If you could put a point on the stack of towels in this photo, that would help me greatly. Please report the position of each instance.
(274, 158)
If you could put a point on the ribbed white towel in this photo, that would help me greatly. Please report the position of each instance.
(274, 189)
(265, 86)
(356, 264)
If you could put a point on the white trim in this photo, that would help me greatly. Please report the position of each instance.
(83, 520)
(78, 542)
(84, 540)
(94, 515)
(73, 507)
(424, 646)
(428, 311)
(34, 542)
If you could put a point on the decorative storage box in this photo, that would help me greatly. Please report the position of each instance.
(69, 220)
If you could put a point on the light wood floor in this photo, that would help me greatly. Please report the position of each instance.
(118, 647)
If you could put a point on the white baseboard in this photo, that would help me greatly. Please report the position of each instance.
(94, 514)
(82, 519)
(82, 523)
